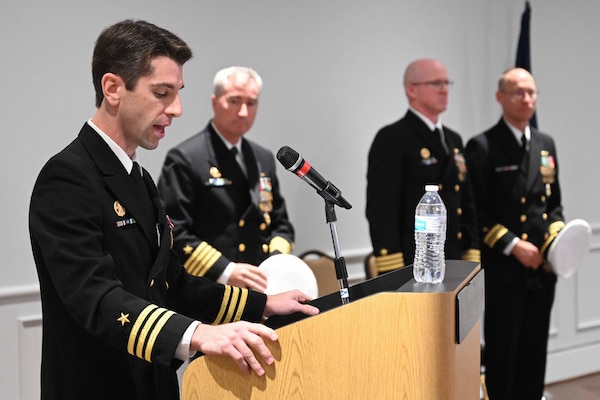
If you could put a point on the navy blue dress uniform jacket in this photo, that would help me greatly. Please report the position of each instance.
(512, 203)
(404, 157)
(220, 215)
(115, 299)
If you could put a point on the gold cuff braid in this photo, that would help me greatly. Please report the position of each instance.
(553, 231)
(202, 259)
(494, 235)
(389, 262)
(472, 255)
(280, 244)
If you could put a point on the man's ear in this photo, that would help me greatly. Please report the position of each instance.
(112, 87)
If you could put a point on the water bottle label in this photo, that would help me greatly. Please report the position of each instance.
(427, 224)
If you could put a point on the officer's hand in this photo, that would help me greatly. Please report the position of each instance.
(288, 303)
(248, 276)
(242, 341)
(527, 254)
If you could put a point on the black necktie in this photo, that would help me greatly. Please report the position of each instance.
(439, 135)
(524, 143)
(525, 159)
(136, 172)
(234, 153)
(144, 202)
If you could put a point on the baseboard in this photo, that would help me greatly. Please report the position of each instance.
(572, 363)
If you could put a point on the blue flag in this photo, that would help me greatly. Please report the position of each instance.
(523, 49)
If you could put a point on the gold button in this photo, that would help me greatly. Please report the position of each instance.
(545, 216)
(241, 247)
(241, 223)
(265, 248)
(546, 235)
(485, 229)
(440, 187)
(152, 283)
(523, 218)
(459, 235)
(262, 226)
(524, 236)
(523, 200)
(459, 211)
(457, 188)
(383, 252)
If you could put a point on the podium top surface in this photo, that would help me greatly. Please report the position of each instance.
(400, 280)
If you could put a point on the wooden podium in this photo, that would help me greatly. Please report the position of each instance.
(396, 339)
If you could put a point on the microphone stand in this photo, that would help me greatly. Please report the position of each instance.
(339, 262)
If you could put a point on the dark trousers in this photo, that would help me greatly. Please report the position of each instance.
(516, 324)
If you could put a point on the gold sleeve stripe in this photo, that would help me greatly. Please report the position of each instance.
(494, 235)
(556, 227)
(389, 262)
(553, 229)
(137, 325)
(280, 244)
(202, 259)
(235, 295)
(144, 333)
(232, 306)
(154, 334)
(472, 255)
(241, 305)
(226, 296)
(146, 329)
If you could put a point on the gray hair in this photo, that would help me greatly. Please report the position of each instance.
(240, 74)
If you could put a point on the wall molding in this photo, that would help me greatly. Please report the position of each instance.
(19, 294)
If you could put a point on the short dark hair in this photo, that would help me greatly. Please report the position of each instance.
(127, 49)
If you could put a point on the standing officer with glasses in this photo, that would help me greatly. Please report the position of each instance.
(404, 157)
(515, 178)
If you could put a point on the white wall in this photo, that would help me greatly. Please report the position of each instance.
(333, 76)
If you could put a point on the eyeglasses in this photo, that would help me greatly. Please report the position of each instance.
(438, 84)
(519, 95)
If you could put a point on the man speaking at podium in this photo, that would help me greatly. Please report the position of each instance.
(120, 313)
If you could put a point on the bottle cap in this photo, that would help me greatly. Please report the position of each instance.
(431, 188)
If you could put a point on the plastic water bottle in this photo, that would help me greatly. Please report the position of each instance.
(430, 236)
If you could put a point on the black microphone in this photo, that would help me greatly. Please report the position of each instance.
(293, 162)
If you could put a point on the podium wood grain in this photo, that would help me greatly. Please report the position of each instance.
(388, 345)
